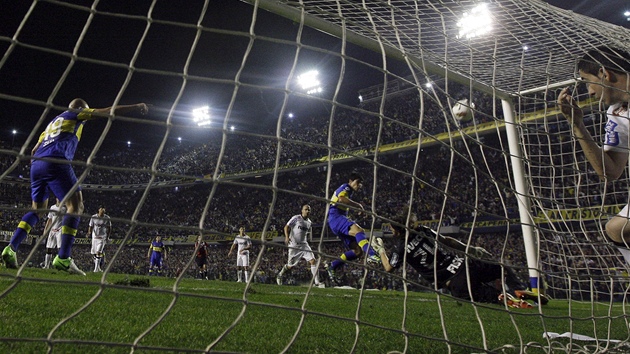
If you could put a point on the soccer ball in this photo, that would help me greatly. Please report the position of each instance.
(462, 110)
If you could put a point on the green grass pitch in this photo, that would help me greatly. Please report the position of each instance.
(47, 311)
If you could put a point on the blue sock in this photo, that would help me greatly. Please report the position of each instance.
(69, 227)
(364, 244)
(29, 220)
(347, 256)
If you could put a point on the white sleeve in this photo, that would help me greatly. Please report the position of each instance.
(616, 137)
(292, 221)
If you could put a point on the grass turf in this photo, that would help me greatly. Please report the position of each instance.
(45, 309)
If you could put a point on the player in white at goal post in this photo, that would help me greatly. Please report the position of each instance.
(605, 72)
(295, 236)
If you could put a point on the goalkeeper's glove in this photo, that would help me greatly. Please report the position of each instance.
(377, 244)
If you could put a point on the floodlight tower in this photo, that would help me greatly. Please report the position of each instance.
(309, 82)
(475, 23)
(201, 115)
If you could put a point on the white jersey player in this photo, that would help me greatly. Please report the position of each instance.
(244, 244)
(52, 231)
(295, 236)
(100, 228)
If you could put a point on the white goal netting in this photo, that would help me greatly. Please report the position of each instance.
(510, 177)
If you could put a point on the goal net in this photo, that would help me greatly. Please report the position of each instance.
(259, 107)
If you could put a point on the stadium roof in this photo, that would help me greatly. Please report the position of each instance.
(426, 32)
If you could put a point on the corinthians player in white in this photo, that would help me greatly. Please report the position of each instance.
(295, 236)
(100, 228)
(52, 231)
(244, 244)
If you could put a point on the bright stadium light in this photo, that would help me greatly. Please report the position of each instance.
(290, 115)
(475, 23)
(309, 82)
(627, 14)
(232, 128)
(201, 115)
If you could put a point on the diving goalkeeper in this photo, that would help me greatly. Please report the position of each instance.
(441, 261)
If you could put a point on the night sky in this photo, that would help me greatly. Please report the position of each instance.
(217, 59)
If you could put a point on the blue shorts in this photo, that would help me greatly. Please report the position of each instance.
(48, 176)
(156, 259)
(340, 225)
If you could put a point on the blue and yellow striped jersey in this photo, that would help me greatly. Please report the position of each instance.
(62, 135)
(344, 191)
(157, 246)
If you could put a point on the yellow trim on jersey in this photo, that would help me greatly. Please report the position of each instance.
(24, 225)
(363, 242)
(335, 199)
(67, 230)
(85, 114)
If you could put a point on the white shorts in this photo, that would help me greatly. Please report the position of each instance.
(242, 260)
(54, 239)
(98, 245)
(299, 251)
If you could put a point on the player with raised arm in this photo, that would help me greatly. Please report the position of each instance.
(295, 236)
(605, 72)
(441, 261)
(52, 231)
(59, 142)
(352, 235)
(100, 228)
(156, 255)
(244, 244)
(201, 258)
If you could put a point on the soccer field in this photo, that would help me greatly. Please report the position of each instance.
(44, 310)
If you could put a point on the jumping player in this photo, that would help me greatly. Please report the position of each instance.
(59, 142)
(352, 235)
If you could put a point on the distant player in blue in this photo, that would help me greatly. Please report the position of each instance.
(59, 142)
(346, 229)
(157, 254)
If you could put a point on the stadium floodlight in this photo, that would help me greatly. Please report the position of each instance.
(201, 115)
(128, 143)
(627, 14)
(232, 128)
(13, 140)
(475, 23)
(179, 138)
(309, 82)
(290, 115)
